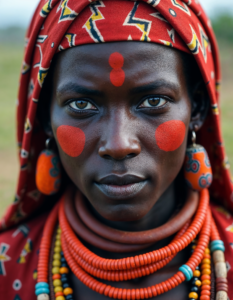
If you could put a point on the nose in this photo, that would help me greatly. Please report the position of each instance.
(119, 140)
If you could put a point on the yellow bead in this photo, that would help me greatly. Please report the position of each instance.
(206, 272)
(64, 270)
(57, 282)
(193, 295)
(58, 236)
(58, 243)
(57, 256)
(198, 283)
(58, 289)
(56, 263)
(55, 270)
(68, 291)
(59, 230)
(207, 251)
(206, 261)
(57, 249)
(206, 282)
(60, 298)
(196, 273)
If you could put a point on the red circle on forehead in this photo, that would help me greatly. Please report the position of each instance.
(71, 140)
(116, 60)
(170, 135)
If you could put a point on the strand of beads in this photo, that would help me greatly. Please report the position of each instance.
(57, 283)
(60, 271)
(217, 248)
(206, 276)
(42, 287)
(195, 282)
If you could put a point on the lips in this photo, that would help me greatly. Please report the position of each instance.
(121, 187)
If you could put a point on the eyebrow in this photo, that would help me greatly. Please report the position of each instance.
(73, 87)
(155, 86)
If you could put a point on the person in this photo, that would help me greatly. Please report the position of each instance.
(117, 116)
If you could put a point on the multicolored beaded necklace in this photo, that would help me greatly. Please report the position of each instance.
(70, 254)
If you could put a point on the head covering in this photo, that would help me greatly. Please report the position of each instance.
(58, 25)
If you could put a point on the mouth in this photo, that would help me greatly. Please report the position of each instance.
(121, 187)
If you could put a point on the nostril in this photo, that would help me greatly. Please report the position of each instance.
(131, 155)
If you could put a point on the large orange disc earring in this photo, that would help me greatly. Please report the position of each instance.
(48, 171)
(197, 168)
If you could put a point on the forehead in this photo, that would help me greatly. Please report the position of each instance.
(140, 58)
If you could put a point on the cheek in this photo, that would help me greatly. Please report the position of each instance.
(170, 135)
(117, 75)
(71, 139)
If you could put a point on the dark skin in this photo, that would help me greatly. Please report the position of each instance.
(119, 124)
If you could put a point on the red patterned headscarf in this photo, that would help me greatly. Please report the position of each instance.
(58, 25)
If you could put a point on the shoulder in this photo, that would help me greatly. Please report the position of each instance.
(224, 222)
(19, 249)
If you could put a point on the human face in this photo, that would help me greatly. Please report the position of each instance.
(121, 139)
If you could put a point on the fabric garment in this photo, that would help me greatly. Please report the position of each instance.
(58, 25)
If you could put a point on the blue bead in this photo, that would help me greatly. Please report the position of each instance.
(63, 260)
(69, 297)
(195, 289)
(62, 254)
(186, 270)
(42, 285)
(64, 265)
(64, 280)
(217, 245)
(65, 285)
(64, 276)
(42, 291)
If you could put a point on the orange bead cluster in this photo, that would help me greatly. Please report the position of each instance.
(86, 265)
(206, 276)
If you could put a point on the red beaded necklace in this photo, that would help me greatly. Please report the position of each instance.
(86, 265)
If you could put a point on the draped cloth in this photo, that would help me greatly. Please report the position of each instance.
(61, 24)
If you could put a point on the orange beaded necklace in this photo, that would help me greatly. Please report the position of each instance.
(86, 265)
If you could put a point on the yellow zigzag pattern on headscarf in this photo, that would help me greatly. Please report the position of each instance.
(195, 44)
(90, 25)
(67, 13)
(143, 25)
(46, 9)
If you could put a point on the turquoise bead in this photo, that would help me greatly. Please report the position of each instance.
(217, 245)
(42, 285)
(42, 291)
(187, 271)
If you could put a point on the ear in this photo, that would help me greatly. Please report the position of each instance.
(200, 106)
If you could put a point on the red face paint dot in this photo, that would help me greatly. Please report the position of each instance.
(116, 60)
(71, 140)
(170, 135)
(117, 75)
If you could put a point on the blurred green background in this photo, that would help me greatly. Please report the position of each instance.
(11, 54)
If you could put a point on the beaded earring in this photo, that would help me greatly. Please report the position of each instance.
(48, 171)
(197, 168)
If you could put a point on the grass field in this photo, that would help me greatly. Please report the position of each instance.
(10, 62)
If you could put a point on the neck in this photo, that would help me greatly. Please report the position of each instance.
(157, 216)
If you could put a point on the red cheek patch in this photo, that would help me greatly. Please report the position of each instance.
(170, 135)
(71, 140)
(117, 75)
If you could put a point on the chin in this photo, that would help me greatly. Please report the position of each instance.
(122, 212)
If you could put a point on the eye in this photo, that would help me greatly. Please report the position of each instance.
(153, 102)
(82, 105)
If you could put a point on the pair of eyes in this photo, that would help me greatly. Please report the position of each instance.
(147, 103)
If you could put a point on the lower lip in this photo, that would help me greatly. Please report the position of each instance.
(121, 191)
